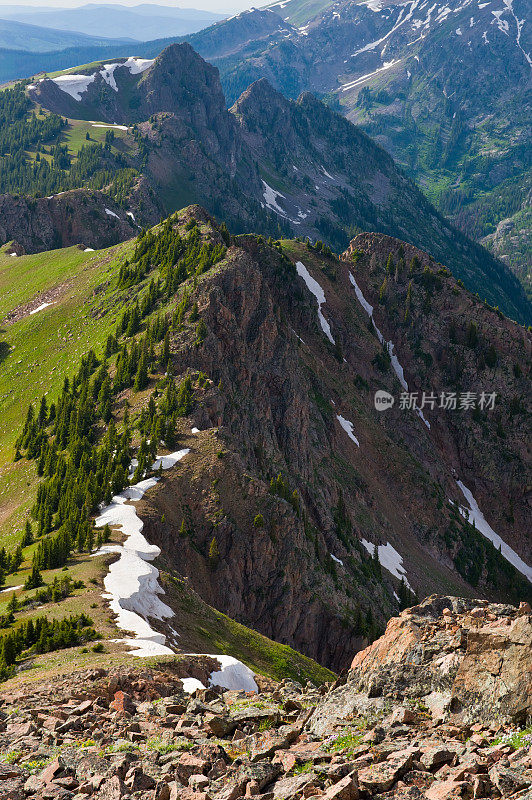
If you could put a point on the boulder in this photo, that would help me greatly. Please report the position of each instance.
(477, 669)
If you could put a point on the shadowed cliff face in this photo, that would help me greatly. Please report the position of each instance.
(277, 398)
(76, 217)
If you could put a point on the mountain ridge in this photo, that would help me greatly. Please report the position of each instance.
(257, 184)
(417, 78)
(326, 514)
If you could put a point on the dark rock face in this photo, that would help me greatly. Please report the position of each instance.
(76, 217)
(436, 351)
(296, 566)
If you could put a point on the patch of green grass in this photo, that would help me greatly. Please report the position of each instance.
(122, 747)
(162, 746)
(12, 757)
(302, 769)
(346, 741)
(75, 135)
(516, 739)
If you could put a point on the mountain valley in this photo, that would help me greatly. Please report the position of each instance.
(265, 369)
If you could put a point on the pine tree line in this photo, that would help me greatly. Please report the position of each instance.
(177, 258)
(81, 467)
(42, 635)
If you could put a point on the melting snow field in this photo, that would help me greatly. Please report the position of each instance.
(348, 428)
(77, 85)
(233, 675)
(362, 78)
(74, 85)
(389, 558)
(270, 198)
(132, 582)
(475, 515)
(314, 287)
(40, 308)
(133, 589)
(105, 125)
(111, 213)
(397, 368)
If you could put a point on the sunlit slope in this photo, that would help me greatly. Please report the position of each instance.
(39, 349)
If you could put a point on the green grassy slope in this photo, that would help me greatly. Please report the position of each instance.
(38, 351)
(299, 12)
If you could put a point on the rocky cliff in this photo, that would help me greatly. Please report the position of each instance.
(422, 716)
(76, 217)
(319, 502)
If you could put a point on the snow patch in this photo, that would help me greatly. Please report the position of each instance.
(338, 560)
(390, 559)
(270, 198)
(396, 366)
(111, 213)
(191, 684)
(475, 515)
(314, 287)
(12, 589)
(74, 85)
(40, 308)
(89, 250)
(136, 65)
(113, 125)
(348, 428)
(233, 674)
(132, 584)
(400, 22)
(502, 24)
(108, 74)
(385, 66)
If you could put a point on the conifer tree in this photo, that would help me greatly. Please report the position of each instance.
(214, 553)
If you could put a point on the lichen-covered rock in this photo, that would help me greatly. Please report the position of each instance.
(475, 654)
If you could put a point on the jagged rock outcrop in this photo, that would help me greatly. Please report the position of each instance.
(112, 734)
(77, 217)
(466, 661)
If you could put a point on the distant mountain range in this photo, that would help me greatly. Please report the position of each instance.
(142, 22)
(444, 87)
(22, 36)
(270, 164)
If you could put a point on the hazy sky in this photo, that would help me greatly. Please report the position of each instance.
(221, 6)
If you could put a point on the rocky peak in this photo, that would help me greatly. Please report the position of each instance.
(76, 217)
(178, 82)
